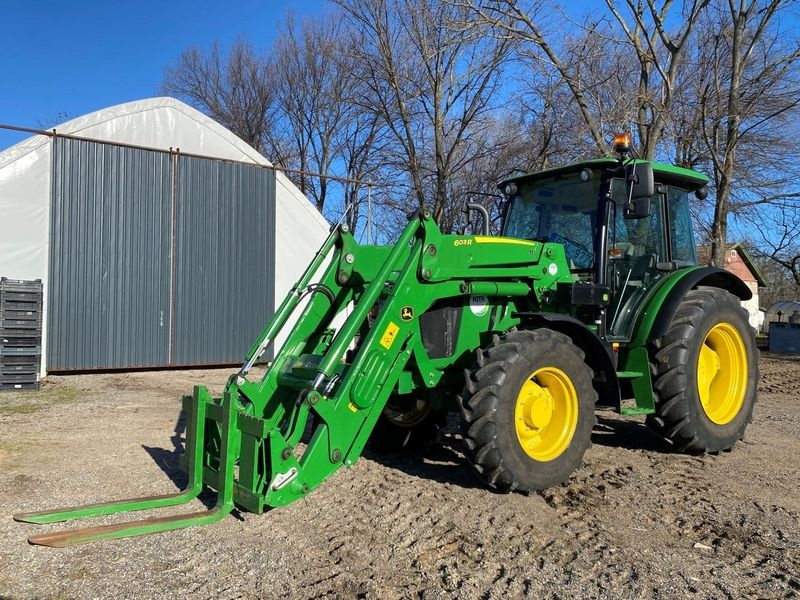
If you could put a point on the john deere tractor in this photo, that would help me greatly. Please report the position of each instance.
(591, 297)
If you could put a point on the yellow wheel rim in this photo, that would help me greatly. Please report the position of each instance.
(546, 413)
(722, 373)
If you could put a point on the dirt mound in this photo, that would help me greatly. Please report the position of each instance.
(637, 520)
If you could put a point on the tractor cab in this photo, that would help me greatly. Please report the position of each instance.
(624, 225)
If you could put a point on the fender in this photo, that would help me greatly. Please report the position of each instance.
(664, 300)
(598, 355)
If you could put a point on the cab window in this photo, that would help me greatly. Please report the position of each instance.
(681, 240)
(561, 210)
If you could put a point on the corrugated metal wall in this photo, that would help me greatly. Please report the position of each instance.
(110, 229)
(156, 259)
(226, 252)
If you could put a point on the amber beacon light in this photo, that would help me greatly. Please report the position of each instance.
(622, 143)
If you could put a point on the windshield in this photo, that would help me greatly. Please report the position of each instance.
(560, 209)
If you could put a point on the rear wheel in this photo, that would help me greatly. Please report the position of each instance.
(706, 373)
(528, 410)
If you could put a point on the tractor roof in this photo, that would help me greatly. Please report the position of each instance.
(664, 173)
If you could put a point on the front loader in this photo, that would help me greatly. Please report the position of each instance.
(591, 298)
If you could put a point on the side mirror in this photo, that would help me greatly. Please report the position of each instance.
(639, 179)
(637, 209)
(640, 187)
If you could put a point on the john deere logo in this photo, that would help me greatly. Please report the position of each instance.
(407, 313)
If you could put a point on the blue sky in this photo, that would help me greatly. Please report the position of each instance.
(64, 57)
(76, 57)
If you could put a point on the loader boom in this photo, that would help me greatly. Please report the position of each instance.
(343, 380)
(340, 379)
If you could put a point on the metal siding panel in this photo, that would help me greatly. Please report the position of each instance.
(272, 238)
(224, 282)
(109, 257)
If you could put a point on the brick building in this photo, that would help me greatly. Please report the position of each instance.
(739, 262)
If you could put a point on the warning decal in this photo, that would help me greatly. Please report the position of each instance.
(388, 336)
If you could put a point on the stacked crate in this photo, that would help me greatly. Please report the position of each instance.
(20, 334)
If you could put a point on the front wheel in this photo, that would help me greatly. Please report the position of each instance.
(407, 422)
(706, 373)
(528, 410)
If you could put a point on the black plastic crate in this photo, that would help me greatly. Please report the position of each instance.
(25, 330)
(20, 285)
(19, 387)
(20, 342)
(19, 378)
(16, 296)
(31, 316)
(29, 367)
(31, 358)
(20, 329)
(20, 305)
(20, 351)
(22, 325)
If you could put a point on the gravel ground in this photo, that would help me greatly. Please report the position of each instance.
(636, 521)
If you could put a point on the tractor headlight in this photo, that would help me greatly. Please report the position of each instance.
(510, 189)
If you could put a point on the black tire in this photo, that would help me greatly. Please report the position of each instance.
(490, 402)
(406, 424)
(708, 321)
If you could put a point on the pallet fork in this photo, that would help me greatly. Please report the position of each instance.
(228, 448)
(196, 407)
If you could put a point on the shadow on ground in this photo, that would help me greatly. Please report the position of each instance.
(441, 460)
(167, 458)
(615, 432)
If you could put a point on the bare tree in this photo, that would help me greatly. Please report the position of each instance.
(324, 111)
(311, 81)
(234, 88)
(430, 75)
(523, 21)
(360, 145)
(779, 262)
(296, 104)
(607, 87)
(782, 247)
(660, 55)
(747, 95)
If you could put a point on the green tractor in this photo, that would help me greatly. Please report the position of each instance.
(591, 298)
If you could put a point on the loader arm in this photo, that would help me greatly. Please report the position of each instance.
(336, 380)
(344, 382)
